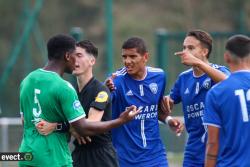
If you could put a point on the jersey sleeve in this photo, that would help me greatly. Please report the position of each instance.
(175, 91)
(20, 106)
(225, 70)
(102, 99)
(114, 93)
(211, 115)
(164, 84)
(70, 104)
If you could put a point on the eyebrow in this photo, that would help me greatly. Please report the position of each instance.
(129, 54)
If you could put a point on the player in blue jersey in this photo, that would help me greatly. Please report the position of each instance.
(227, 110)
(191, 88)
(138, 143)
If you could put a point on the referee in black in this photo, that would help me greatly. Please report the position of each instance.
(98, 150)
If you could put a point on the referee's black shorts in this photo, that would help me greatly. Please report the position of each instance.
(102, 156)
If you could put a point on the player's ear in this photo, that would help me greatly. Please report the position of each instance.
(227, 58)
(92, 60)
(205, 52)
(146, 56)
(67, 56)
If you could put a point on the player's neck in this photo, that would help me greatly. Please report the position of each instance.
(83, 79)
(197, 71)
(140, 75)
(55, 67)
(240, 67)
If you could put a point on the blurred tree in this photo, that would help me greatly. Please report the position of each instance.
(131, 17)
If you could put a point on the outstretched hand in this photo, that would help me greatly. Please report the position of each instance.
(129, 113)
(109, 82)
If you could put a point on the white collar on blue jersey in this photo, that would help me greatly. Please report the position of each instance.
(143, 76)
(241, 71)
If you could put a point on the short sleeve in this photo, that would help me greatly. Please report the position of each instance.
(71, 106)
(102, 99)
(211, 113)
(20, 106)
(164, 84)
(175, 91)
(225, 70)
(114, 93)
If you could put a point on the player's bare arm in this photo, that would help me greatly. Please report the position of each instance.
(188, 59)
(92, 126)
(80, 139)
(94, 115)
(214, 74)
(166, 104)
(45, 128)
(86, 128)
(174, 124)
(212, 146)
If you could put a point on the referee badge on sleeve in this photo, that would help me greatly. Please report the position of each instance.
(101, 97)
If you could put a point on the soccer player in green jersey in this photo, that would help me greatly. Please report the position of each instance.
(44, 94)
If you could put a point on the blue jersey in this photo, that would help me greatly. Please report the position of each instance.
(138, 142)
(228, 108)
(191, 91)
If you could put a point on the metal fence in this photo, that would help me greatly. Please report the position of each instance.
(11, 136)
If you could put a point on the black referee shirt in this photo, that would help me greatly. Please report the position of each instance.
(96, 95)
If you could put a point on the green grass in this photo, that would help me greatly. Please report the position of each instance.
(175, 159)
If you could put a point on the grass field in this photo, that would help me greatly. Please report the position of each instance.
(175, 159)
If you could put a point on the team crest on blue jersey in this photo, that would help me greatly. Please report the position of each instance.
(207, 83)
(76, 104)
(153, 87)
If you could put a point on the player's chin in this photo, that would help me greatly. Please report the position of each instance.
(77, 72)
(130, 71)
(74, 72)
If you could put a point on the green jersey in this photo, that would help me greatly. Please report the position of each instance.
(45, 95)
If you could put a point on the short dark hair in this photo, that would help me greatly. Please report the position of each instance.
(135, 42)
(204, 37)
(59, 45)
(89, 47)
(239, 45)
